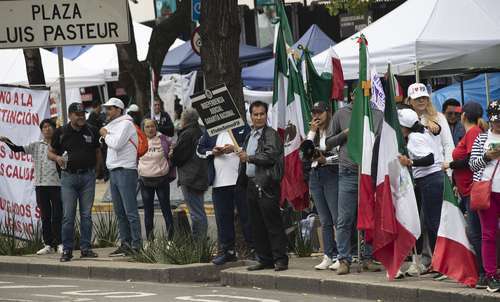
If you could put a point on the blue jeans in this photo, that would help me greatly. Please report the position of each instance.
(123, 184)
(194, 201)
(225, 199)
(148, 195)
(347, 213)
(324, 187)
(431, 194)
(77, 188)
(474, 232)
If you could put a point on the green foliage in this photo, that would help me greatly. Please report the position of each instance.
(10, 245)
(302, 245)
(182, 249)
(105, 229)
(355, 7)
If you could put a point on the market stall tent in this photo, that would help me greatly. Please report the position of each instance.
(419, 33)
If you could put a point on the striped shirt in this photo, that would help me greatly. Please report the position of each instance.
(477, 161)
(45, 170)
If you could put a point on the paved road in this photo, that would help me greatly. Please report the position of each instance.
(30, 289)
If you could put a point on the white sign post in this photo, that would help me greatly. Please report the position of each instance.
(56, 23)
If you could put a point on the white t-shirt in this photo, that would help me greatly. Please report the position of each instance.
(488, 171)
(226, 165)
(422, 144)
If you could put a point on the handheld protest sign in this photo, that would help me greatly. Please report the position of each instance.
(218, 111)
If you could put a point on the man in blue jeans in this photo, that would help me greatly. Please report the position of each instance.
(348, 190)
(122, 140)
(75, 148)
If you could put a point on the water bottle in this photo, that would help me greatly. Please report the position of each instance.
(65, 157)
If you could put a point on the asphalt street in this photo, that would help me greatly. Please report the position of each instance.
(30, 289)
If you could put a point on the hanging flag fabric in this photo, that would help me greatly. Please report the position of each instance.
(378, 94)
(319, 87)
(333, 67)
(397, 225)
(453, 254)
(362, 139)
(290, 114)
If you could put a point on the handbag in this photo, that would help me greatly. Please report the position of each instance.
(481, 192)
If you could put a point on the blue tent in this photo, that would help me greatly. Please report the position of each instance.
(183, 59)
(73, 52)
(474, 90)
(260, 76)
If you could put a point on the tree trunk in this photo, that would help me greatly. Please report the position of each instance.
(220, 35)
(134, 75)
(34, 67)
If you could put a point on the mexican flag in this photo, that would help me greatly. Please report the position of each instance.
(453, 254)
(397, 227)
(319, 87)
(361, 140)
(290, 113)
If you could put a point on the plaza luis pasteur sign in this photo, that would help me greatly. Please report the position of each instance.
(34, 23)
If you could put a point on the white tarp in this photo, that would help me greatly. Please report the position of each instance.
(21, 111)
(104, 58)
(180, 85)
(13, 70)
(423, 31)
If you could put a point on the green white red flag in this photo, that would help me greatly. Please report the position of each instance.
(362, 139)
(453, 254)
(396, 224)
(290, 113)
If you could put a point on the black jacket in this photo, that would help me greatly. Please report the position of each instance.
(192, 171)
(165, 125)
(268, 159)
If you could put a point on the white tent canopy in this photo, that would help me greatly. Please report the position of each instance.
(104, 57)
(423, 31)
(13, 70)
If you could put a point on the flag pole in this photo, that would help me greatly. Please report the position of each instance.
(359, 232)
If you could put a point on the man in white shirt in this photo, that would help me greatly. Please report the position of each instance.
(121, 138)
(222, 175)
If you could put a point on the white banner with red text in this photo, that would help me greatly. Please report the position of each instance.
(21, 111)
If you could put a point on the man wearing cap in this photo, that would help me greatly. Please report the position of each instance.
(348, 190)
(452, 111)
(134, 112)
(75, 148)
(121, 137)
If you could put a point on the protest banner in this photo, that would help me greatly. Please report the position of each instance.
(21, 111)
(217, 110)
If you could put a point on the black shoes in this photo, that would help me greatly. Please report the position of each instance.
(88, 254)
(66, 256)
(229, 256)
(259, 266)
(121, 251)
(278, 267)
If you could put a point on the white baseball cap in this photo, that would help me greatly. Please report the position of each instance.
(133, 108)
(114, 102)
(407, 117)
(417, 90)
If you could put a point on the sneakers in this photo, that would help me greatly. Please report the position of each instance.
(45, 250)
(416, 268)
(344, 267)
(440, 277)
(229, 256)
(326, 263)
(370, 266)
(482, 282)
(88, 254)
(493, 284)
(60, 249)
(121, 251)
(66, 256)
(335, 265)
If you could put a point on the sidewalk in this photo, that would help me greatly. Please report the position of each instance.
(106, 268)
(301, 277)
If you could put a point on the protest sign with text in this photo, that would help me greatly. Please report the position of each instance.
(21, 111)
(217, 110)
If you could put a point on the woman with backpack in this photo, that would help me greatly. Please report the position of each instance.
(155, 175)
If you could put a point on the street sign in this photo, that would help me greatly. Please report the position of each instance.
(217, 110)
(196, 41)
(49, 23)
(195, 10)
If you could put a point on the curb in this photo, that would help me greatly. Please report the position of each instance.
(114, 270)
(374, 291)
